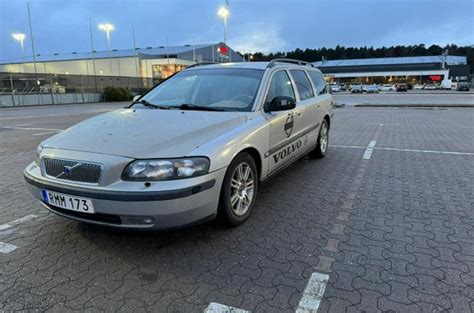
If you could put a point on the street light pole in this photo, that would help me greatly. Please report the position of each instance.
(136, 59)
(33, 49)
(107, 28)
(20, 38)
(32, 41)
(224, 13)
(93, 54)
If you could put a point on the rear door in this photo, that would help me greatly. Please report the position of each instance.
(307, 104)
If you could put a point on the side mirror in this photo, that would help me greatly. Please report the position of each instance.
(135, 98)
(280, 104)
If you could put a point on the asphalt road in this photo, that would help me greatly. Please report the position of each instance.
(387, 215)
(424, 98)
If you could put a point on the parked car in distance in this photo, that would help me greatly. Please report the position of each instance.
(418, 87)
(335, 88)
(463, 86)
(364, 88)
(196, 145)
(402, 87)
(431, 87)
(446, 84)
(372, 89)
(387, 87)
(356, 89)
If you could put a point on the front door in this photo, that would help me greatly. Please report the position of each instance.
(284, 125)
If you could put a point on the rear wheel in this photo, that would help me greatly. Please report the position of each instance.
(239, 190)
(323, 141)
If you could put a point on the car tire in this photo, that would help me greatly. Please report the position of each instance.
(239, 190)
(323, 142)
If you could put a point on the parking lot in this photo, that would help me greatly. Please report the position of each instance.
(412, 97)
(387, 215)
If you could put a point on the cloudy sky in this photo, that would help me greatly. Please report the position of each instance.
(254, 25)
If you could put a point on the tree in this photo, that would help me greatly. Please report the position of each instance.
(341, 52)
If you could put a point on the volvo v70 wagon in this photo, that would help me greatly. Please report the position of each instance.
(196, 145)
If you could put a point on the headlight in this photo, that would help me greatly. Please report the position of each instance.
(38, 153)
(166, 169)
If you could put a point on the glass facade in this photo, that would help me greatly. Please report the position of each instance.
(163, 71)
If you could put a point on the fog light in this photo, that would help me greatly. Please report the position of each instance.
(148, 220)
(140, 220)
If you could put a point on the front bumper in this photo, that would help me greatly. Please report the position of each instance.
(162, 205)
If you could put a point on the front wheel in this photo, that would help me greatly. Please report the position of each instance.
(323, 141)
(239, 190)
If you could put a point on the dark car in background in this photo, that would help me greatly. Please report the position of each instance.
(463, 86)
(402, 87)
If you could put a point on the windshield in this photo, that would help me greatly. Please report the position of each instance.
(227, 89)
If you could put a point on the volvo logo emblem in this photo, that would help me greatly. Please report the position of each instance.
(289, 125)
(67, 170)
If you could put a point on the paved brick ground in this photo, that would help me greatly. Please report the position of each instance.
(395, 233)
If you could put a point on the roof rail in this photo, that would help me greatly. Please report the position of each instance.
(292, 61)
(200, 64)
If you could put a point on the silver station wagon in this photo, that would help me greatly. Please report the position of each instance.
(193, 147)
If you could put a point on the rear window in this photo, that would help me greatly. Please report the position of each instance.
(319, 82)
(302, 84)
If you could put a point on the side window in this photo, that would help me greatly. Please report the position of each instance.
(280, 86)
(319, 82)
(302, 84)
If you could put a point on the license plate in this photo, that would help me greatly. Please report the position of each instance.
(68, 202)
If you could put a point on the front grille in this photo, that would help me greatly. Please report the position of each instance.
(72, 170)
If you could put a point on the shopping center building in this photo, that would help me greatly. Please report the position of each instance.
(149, 62)
(423, 69)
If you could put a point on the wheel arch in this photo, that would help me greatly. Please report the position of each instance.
(255, 154)
(328, 120)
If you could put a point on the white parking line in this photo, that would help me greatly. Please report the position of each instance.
(6, 247)
(45, 133)
(222, 308)
(32, 128)
(18, 221)
(428, 151)
(16, 125)
(53, 115)
(369, 150)
(382, 124)
(405, 150)
(313, 293)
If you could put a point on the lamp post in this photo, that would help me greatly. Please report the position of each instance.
(20, 38)
(107, 28)
(224, 13)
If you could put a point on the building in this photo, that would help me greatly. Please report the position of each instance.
(423, 69)
(150, 62)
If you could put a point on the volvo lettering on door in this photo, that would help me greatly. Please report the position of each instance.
(288, 151)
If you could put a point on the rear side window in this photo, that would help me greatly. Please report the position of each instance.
(302, 84)
(319, 82)
(280, 86)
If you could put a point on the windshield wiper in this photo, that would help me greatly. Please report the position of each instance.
(151, 105)
(189, 106)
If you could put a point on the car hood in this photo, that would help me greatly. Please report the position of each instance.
(146, 133)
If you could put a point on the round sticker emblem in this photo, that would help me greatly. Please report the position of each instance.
(289, 125)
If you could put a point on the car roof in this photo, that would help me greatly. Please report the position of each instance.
(251, 65)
